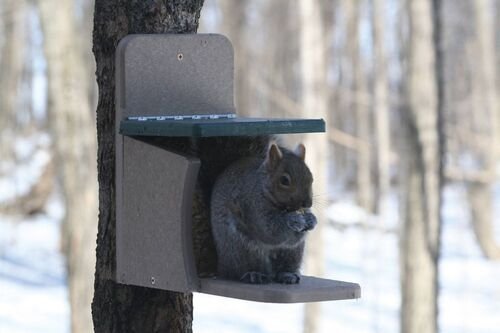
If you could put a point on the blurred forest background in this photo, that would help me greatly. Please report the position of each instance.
(407, 175)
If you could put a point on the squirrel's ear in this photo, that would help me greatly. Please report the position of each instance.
(300, 151)
(274, 156)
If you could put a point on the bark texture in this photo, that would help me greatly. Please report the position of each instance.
(421, 180)
(314, 105)
(73, 131)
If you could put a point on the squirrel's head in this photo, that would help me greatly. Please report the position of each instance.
(289, 182)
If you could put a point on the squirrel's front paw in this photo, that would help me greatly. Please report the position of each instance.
(287, 278)
(301, 222)
(255, 278)
(310, 220)
(296, 221)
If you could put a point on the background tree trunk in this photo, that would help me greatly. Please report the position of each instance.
(496, 17)
(486, 123)
(358, 104)
(381, 107)
(73, 132)
(480, 195)
(234, 14)
(121, 308)
(420, 176)
(314, 105)
(84, 24)
(279, 61)
(11, 63)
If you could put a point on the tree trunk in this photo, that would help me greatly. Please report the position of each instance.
(233, 26)
(85, 24)
(122, 308)
(480, 195)
(72, 128)
(485, 103)
(314, 105)
(280, 58)
(11, 64)
(358, 105)
(496, 17)
(421, 180)
(381, 107)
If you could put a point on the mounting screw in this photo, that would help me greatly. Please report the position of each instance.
(153, 280)
(180, 56)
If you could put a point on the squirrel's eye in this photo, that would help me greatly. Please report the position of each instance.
(285, 180)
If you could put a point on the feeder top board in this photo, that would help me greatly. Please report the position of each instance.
(208, 126)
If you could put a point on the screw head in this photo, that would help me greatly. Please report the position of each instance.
(180, 56)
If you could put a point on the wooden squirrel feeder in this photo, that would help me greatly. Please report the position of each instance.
(182, 86)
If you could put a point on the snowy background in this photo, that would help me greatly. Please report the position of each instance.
(358, 247)
(33, 291)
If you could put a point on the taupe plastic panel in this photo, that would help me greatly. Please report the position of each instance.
(174, 74)
(154, 187)
(154, 231)
(310, 289)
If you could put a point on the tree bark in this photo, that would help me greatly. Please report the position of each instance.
(73, 132)
(314, 105)
(116, 307)
(421, 177)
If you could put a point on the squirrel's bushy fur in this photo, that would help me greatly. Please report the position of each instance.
(260, 215)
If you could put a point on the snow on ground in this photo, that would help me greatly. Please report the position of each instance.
(470, 288)
(33, 290)
(33, 295)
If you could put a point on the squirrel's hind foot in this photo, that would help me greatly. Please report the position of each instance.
(255, 278)
(287, 278)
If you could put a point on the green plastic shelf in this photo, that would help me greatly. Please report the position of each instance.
(219, 127)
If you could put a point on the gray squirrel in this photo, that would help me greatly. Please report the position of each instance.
(260, 214)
